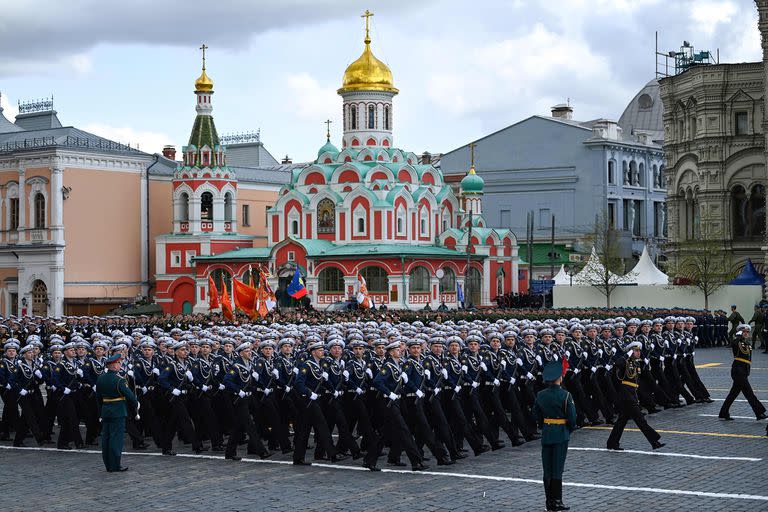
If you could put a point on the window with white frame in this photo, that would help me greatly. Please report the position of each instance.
(175, 259)
(401, 221)
(291, 256)
(446, 219)
(359, 218)
(424, 222)
(293, 223)
(188, 255)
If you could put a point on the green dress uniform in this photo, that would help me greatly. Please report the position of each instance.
(556, 414)
(111, 393)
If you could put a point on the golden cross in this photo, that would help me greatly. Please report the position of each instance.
(328, 130)
(367, 15)
(472, 147)
(203, 48)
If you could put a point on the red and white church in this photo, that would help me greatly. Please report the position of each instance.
(366, 209)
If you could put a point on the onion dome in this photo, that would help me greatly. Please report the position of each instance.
(367, 73)
(472, 183)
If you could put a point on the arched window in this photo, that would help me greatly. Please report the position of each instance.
(376, 279)
(39, 211)
(424, 222)
(206, 206)
(220, 276)
(228, 206)
(418, 281)
(655, 178)
(448, 281)
(473, 285)
(446, 219)
(748, 212)
(611, 172)
(326, 216)
(500, 281)
(184, 207)
(39, 298)
(625, 172)
(353, 117)
(661, 177)
(371, 117)
(401, 225)
(359, 220)
(387, 118)
(331, 280)
(641, 175)
(633, 173)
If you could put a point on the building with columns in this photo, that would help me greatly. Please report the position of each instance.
(369, 209)
(715, 143)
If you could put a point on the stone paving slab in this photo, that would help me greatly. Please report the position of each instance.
(509, 479)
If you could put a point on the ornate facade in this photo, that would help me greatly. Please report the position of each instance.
(372, 209)
(714, 139)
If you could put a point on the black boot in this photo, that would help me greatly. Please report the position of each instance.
(557, 495)
(548, 494)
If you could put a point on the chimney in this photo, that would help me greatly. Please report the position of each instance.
(426, 158)
(287, 160)
(169, 152)
(562, 111)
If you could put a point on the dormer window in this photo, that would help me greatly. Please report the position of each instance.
(401, 221)
(206, 159)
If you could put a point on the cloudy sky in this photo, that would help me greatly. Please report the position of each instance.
(125, 70)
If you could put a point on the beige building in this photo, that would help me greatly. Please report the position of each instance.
(79, 214)
(714, 139)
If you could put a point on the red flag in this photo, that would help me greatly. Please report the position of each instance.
(213, 295)
(565, 366)
(245, 297)
(226, 304)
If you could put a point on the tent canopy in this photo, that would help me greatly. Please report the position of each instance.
(646, 272)
(748, 276)
(592, 272)
(562, 276)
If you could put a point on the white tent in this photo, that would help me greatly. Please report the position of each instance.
(645, 272)
(592, 271)
(562, 277)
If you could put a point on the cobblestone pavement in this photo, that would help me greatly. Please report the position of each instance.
(707, 465)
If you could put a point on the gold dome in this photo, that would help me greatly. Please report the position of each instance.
(203, 83)
(367, 73)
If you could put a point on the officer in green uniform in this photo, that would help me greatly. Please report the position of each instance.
(111, 393)
(556, 414)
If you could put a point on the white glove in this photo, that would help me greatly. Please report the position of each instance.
(584, 354)
(369, 373)
(313, 396)
(475, 384)
(419, 393)
(66, 391)
(464, 368)
(144, 389)
(287, 389)
(666, 343)
(608, 367)
(267, 391)
(393, 397)
(519, 361)
(206, 388)
(496, 382)
(276, 373)
(325, 375)
(576, 371)
(512, 380)
(130, 373)
(503, 363)
(613, 350)
(221, 387)
(696, 338)
(345, 373)
(404, 378)
(23, 392)
(79, 372)
(445, 373)
(538, 359)
(427, 374)
(241, 393)
(663, 358)
(529, 376)
(176, 392)
(156, 371)
(359, 391)
(189, 375)
(647, 360)
(693, 353)
(593, 369)
(567, 353)
(94, 388)
(457, 389)
(8, 386)
(437, 390)
(483, 366)
(674, 357)
(255, 375)
(295, 370)
(599, 351)
(38, 374)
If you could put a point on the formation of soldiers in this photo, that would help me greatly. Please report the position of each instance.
(414, 388)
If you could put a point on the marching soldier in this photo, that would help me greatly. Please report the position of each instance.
(742, 362)
(112, 392)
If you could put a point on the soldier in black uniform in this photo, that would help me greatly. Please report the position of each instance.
(742, 361)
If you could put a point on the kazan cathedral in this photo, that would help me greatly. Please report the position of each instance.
(366, 209)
